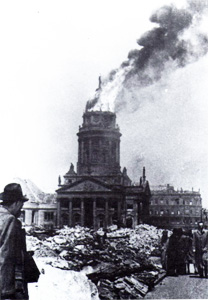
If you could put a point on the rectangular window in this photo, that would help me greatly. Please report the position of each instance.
(172, 212)
(48, 216)
(177, 201)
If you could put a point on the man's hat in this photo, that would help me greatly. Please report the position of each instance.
(12, 192)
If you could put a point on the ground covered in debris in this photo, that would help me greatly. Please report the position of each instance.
(123, 263)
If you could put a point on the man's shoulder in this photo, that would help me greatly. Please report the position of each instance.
(6, 216)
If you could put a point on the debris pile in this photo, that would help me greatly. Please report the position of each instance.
(120, 259)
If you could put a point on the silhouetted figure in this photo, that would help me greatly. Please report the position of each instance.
(13, 284)
(189, 258)
(172, 253)
(182, 252)
(200, 249)
(164, 245)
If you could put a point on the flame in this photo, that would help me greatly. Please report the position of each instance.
(106, 95)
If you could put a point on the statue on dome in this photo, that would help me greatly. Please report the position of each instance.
(71, 168)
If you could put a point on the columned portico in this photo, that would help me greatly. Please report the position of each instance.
(90, 210)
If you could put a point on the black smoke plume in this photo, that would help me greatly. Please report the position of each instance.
(168, 46)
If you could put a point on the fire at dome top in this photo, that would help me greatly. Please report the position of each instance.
(107, 91)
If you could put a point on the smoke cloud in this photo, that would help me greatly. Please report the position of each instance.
(176, 41)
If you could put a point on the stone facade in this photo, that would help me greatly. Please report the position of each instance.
(99, 194)
(39, 214)
(174, 209)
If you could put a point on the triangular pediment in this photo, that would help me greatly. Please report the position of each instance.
(87, 185)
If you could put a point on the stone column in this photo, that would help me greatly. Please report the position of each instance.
(70, 213)
(100, 152)
(41, 217)
(82, 212)
(106, 213)
(90, 151)
(79, 150)
(135, 213)
(119, 212)
(118, 152)
(94, 214)
(28, 216)
(58, 213)
(140, 212)
(110, 151)
(82, 152)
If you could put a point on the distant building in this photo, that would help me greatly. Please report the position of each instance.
(99, 194)
(39, 214)
(173, 209)
(41, 209)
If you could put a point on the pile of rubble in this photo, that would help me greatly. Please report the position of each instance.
(120, 258)
(73, 247)
(127, 287)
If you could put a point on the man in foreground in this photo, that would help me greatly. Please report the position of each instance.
(12, 244)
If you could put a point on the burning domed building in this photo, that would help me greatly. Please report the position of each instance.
(99, 194)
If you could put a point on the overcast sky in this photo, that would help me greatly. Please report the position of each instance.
(51, 55)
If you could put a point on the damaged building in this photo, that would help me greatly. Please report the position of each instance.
(175, 209)
(99, 194)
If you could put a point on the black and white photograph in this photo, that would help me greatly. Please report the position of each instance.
(104, 149)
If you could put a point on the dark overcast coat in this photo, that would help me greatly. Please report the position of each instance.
(12, 249)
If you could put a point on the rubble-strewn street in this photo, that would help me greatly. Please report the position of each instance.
(181, 287)
(124, 263)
